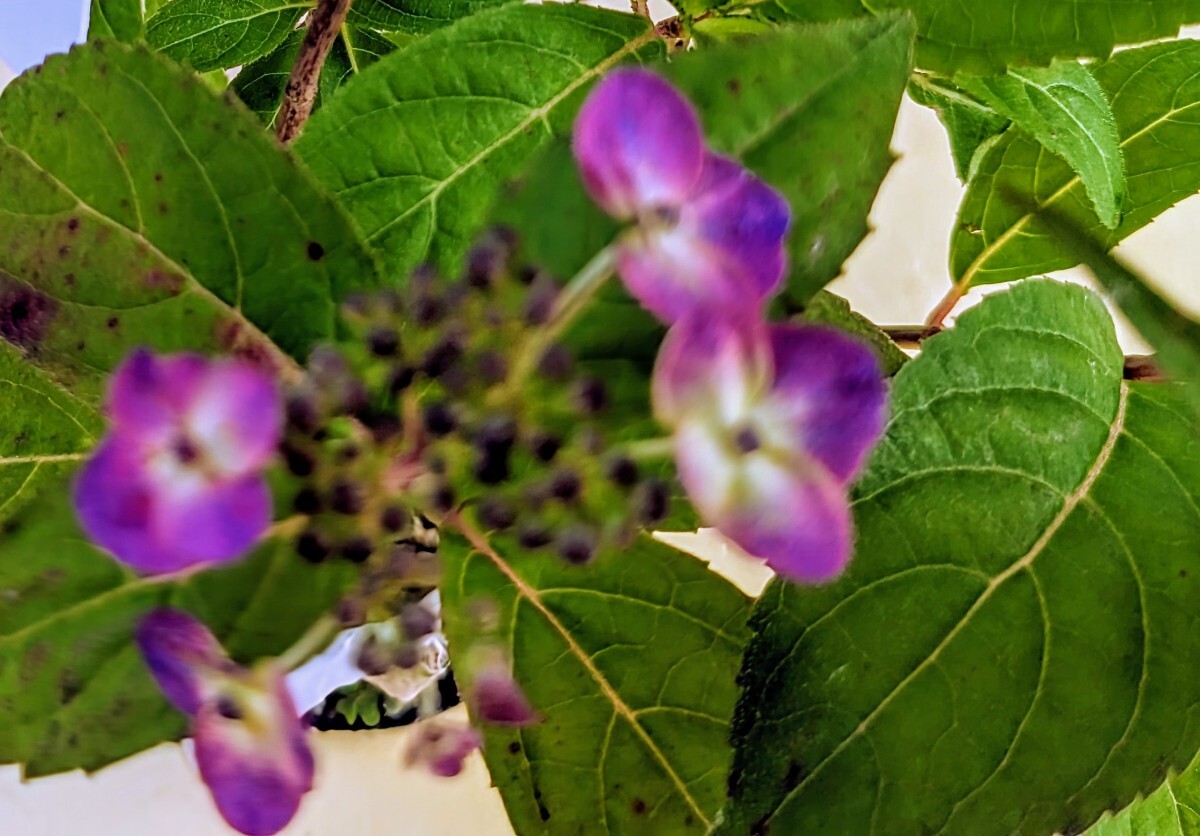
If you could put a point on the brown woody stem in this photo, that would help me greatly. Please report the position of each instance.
(324, 23)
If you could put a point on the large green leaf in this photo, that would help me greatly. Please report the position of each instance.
(1171, 810)
(1013, 648)
(1064, 109)
(800, 11)
(73, 690)
(985, 36)
(1155, 96)
(138, 207)
(439, 125)
(415, 16)
(631, 663)
(215, 34)
(970, 124)
(781, 104)
(261, 84)
(120, 19)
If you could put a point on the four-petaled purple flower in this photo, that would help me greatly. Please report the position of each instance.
(249, 741)
(177, 481)
(708, 234)
(771, 423)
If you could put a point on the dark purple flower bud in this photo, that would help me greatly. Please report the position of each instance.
(534, 536)
(357, 549)
(428, 310)
(556, 363)
(407, 656)
(565, 485)
(417, 620)
(346, 497)
(313, 546)
(352, 611)
(623, 471)
(590, 395)
(652, 501)
(373, 658)
(394, 518)
(440, 419)
(497, 699)
(299, 462)
(493, 368)
(496, 514)
(539, 303)
(576, 545)
(307, 501)
(442, 357)
(383, 341)
(303, 414)
(444, 498)
(545, 446)
(400, 378)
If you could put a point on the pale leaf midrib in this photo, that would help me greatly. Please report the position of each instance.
(530, 594)
(1024, 562)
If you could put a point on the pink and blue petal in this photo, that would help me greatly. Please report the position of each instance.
(217, 524)
(179, 651)
(719, 365)
(638, 144)
(148, 394)
(236, 416)
(830, 392)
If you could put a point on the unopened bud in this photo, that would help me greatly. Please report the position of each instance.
(313, 546)
(357, 549)
(417, 621)
(576, 545)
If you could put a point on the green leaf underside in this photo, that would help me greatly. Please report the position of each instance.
(1171, 810)
(631, 662)
(73, 690)
(260, 85)
(217, 34)
(1064, 109)
(119, 19)
(985, 36)
(138, 208)
(830, 309)
(418, 148)
(968, 122)
(415, 16)
(781, 103)
(1012, 648)
(1155, 96)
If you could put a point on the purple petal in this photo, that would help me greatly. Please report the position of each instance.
(638, 144)
(441, 748)
(743, 219)
(499, 700)
(830, 389)
(711, 364)
(236, 417)
(787, 510)
(158, 527)
(218, 523)
(178, 650)
(148, 394)
(253, 754)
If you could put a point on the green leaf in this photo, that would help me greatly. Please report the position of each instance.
(1175, 337)
(415, 16)
(970, 124)
(46, 431)
(985, 36)
(73, 690)
(1012, 648)
(1153, 90)
(439, 125)
(139, 208)
(1064, 109)
(781, 104)
(630, 661)
(1171, 810)
(218, 34)
(809, 11)
(119, 19)
(830, 309)
(261, 84)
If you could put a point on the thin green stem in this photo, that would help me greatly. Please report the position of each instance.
(649, 449)
(570, 303)
(314, 640)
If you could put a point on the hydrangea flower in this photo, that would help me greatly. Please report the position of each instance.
(249, 740)
(707, 233)
(177, 481)
(771, 423)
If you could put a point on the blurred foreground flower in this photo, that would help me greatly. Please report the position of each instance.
(708, 233)
(177, 481)
(771, 423)
(249, 740)
(441, 747)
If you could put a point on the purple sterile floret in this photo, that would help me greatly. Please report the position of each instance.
(708, 233)
(638, 144)
(178, 650)
(442, 748)
(250, 742)
(177, 480)
(771, 422)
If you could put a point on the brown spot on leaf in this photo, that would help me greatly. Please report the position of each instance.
(123, 149)
(34, 659)
(315, 251)
(72, 224)
(69, 686)
(514, 748)
(113, 322)
(161, 280)
(64, 251)
(163, 209)
(25, 314)
(69, 279)
(639, 807)
(734, 86)
(58, 116)
(158, 177)
(234, 338)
